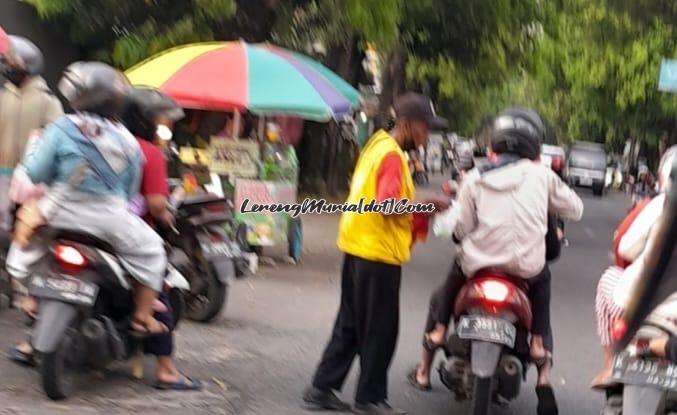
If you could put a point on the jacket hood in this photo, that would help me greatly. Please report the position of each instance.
(507, 177)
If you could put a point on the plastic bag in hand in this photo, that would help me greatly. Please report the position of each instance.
(445, 222)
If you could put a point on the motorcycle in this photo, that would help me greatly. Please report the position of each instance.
(86, 303)
(208, 248)
(487, 354)
(647, 386)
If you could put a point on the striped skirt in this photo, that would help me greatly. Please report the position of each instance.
(607, 311)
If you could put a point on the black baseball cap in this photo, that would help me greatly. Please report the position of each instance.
(420, 107)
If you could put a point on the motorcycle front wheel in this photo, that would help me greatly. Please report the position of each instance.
(208, 299)
(481, 404)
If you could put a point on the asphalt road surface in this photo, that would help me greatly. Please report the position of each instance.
(260, 355)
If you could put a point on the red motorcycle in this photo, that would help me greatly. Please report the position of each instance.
(487, 355)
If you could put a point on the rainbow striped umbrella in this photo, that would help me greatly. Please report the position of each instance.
(260, 78)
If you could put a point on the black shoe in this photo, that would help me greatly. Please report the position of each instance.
(382, 408)
(319, 400)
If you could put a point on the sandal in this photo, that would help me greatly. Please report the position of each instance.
(547, 404)
(150, 328)
(413, 380)
(21, 358)
(183, 384)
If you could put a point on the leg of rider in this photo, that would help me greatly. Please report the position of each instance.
(19, 263)
(541, 339)
(607, 313)
(439, 315)
(162, 346)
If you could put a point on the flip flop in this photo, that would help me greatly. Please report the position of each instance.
(411, 377)
(21, 358)
(183, 384)
(547, 404)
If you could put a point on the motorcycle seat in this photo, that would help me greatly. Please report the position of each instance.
(84, 238)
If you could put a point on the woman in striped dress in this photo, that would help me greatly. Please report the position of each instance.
(629, 243)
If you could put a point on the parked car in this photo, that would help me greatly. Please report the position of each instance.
(586, 167)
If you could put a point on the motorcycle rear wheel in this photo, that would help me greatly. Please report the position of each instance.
(205, 305)
(481, 404)
(60, 368)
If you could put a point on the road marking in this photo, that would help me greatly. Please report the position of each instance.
(589, 232)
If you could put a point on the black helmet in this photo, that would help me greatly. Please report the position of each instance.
(144, 106)
(23, 56)
(94, 87)
(518, 131)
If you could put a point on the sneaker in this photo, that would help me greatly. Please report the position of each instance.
(319, 400)
(382, 408)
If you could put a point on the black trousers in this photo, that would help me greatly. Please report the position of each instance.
(162, 345)
(366, 326)
(443, 299)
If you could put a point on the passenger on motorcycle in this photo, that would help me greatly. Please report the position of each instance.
(504, 210)
(92, 166)
(630, 243)
(150, 116)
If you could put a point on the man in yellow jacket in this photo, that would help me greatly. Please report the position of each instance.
(375, 246)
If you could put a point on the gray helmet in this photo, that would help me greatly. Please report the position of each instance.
(25, 56)
(94, 87)
(518, 131)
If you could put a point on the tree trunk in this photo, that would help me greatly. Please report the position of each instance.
(393, 85)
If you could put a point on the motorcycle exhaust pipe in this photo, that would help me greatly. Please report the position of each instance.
(509, 377)
(96, 342)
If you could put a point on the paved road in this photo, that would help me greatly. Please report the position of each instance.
(258, 358)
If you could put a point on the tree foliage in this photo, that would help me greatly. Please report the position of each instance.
(125, 31)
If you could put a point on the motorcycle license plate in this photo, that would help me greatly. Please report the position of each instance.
(64, 288)
(217, 250)
(490, 329)
(640, 371)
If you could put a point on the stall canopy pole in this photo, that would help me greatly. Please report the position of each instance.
(262, 127)
(236, 124)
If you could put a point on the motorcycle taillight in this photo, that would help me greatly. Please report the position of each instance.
(620, 327)
(69, 257)
(494, 290)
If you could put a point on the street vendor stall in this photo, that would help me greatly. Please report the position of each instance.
(268, 82)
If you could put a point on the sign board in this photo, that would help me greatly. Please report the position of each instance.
(265, 228)
(236, 157)
(667, 80)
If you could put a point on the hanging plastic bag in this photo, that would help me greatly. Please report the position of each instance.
(445, 222)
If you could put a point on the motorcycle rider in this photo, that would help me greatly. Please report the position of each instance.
(630, 247)
(26, 105)
(92, 166)
(504, 210)
(150, 116)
